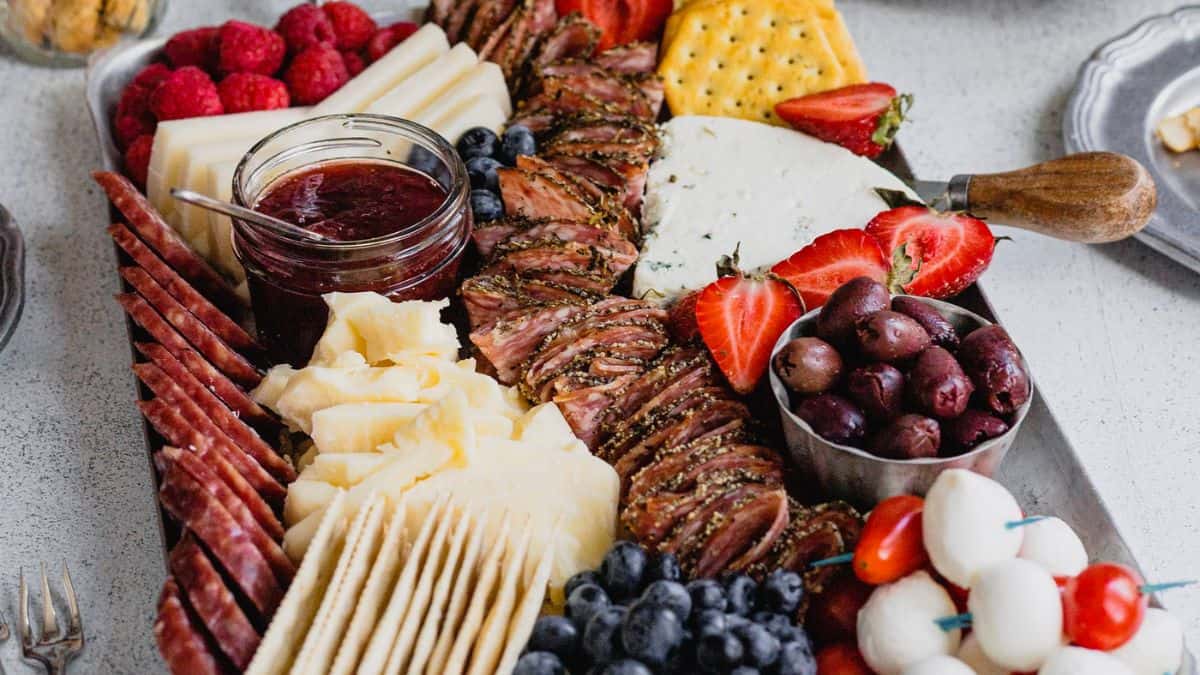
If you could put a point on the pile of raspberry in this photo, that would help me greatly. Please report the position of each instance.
(241, 67)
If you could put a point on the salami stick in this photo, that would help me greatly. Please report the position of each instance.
(214, 604)
(180, 640)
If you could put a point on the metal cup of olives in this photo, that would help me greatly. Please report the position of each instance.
(864, 478)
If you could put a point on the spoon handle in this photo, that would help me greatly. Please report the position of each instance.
(243, 213)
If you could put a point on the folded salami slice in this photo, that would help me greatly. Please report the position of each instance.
(172, 394)
(151, 227)
(193, 506)
(744, 535)
(200, 336)
(190, 462)
(234, 428)
(213, 602)
(180, 639)
(167, 421)
(181, 290)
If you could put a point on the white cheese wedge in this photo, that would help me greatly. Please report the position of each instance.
(218, 183)
(192, 221)
(485, 79)
(721, 182)
(481, 111)
(423, 86)
(172, 140)
(403, 60)
(360, 427)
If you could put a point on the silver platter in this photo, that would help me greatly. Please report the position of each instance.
(1122, 92)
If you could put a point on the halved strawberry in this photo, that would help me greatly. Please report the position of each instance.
(948, 250)
(830, 261)
(740, 318)
(863, 118)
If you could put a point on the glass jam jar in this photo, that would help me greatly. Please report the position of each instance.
(390, 196)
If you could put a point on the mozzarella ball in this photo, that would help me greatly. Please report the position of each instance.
(896, 627)
(1080, 661)
(971, 654)
(1052, 543)
(964, 525)
(939, 665)
(1016, 613)
(1157, 646)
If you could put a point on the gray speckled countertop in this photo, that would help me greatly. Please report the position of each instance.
(1110, 330)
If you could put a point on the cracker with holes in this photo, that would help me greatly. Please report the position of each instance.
(738, 58)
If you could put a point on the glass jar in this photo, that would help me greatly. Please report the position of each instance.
(288, 273)
(58, 33)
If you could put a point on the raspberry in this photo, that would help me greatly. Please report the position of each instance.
(126, 128)
(246, 48)
(188, 92)
(354, 63)
(244, 92)
(133, 117)
(351, 24)
(137, 159)
(196, 47)
(385, 38)
(150, 77)
(315, 73)
(304, 26)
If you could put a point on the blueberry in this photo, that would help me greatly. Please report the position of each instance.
(428, 163)
(669, 594)
(486, 205)
(709, 622)
(706, 594)
(735, 621)
(623, 568)
(740, 591)
(779, 625)
(665, 567)
(580, 578)
(556, 634)
(584, 602)
(602, 637)
(539, 663)
(796, 658)
(518, 140)
(781, 592)
(719, 653)
(651, 632)
(625, 667)
(744, 670)
(762, 648)
(477, 142)
(482, 172)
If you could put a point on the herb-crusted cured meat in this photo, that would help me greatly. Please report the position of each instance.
(507, 342)
(635, 57)
(489, 297)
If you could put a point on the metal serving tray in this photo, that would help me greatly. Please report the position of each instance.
(1042, 469)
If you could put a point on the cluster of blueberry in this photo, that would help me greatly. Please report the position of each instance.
(635, 616)
(484, 152)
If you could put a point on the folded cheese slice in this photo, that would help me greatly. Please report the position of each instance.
(423, 86)
(403, 60)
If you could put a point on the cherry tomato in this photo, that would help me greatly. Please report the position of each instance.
(833, 614)
(1103, 607)
(841, 659)
(891, 546)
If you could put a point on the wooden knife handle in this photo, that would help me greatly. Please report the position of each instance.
(1090, 197)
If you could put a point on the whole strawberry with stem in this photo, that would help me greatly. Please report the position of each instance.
(863, 118)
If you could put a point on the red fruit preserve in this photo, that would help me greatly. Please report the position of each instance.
(394, 226)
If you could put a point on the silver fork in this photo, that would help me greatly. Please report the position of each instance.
(53, 648)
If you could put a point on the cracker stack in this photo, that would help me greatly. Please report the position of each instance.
(738, 58)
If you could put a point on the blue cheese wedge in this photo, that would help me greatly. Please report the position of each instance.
(722, 183)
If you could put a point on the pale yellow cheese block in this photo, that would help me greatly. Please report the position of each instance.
(422, 47)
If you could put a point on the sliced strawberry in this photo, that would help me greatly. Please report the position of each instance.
(681, 318)
(862, 118)
(830, 261)
(948, 250)
(740, 318)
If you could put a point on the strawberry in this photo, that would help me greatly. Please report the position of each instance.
(740, 318)
(681, 318)
(831, 260)
(948, 250)
(863, 118)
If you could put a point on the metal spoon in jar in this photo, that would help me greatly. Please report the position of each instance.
(243, 213)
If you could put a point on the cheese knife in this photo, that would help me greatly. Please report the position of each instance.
(1089, 197)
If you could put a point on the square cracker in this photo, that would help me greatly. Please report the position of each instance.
(481, 599)
(533, 596)
(486, 654)
(463, 584)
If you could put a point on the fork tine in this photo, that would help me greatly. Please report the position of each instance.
(23, 619)
(74, 621)
(49, 618)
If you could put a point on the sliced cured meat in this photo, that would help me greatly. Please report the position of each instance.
(439, 11)
(216, 350)
(598, 362)
(601, 128)
(651, 86)
(741, 536)
(583, 405)
(200, 512)
(613, 212)
(689, 531)
(846, 518)
(489, 297)
(507, 342)
(610, 89)
(590, 191)
(270, 549)
(640, 428)
(232, 395)
(542, 257)
(172, 426)
(180, 638)
(626, 179)
(675, 380)
(540, 112)
(665, 370)
(650, 520)
(616, 252)
(641, 339)
(458, 22)
(496, 37)
(521, 228)
(214, 604)
(611, 310)
(706, 417)
(535, 195)
(181, 290)
(573, 37)
(174, 395)
(237, 431)
(159, 236)
(635, 57)
(685, 471)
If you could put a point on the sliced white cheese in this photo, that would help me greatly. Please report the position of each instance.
(485, 79)
(193, 220)
(403, 60)
(721, 182)
(218, 183)
(423, 86)
(481, 111)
